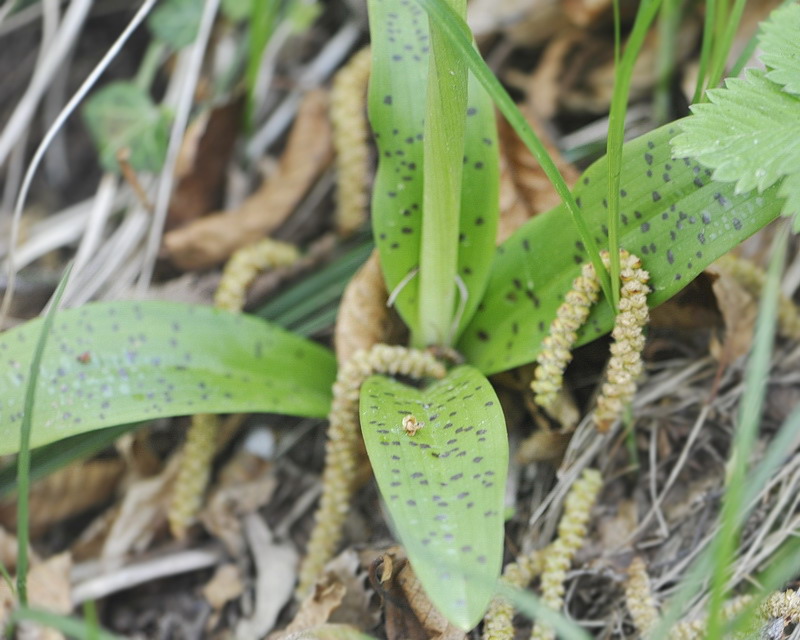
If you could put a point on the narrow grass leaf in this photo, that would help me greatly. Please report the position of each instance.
(25, 429)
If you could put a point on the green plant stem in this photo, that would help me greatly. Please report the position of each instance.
(151, 61)
(668, 23)
(445, 125)
(457, 33)
(262, 24)
(24, 458)
(616, 131)
(746, 434)
(729, 31)
(705, 49)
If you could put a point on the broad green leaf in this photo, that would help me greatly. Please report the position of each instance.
(176, 22)
(749, 134)
(400, 46)
(113, 363)
(781, 46)
(673, 217)
(443, 486)
(121, 116)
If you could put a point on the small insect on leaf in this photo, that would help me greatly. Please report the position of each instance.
(411, 425)
(444, 486)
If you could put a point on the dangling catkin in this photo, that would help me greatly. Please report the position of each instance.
(350, 139)
(497, 624)
(639, 598)
(571, 534)
(201, 439)
(341, 448)
(625, 365)
(556, 354)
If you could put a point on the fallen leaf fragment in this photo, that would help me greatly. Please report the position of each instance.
(65, 493)
(276, 573)
(739, 311)
(224, 586)
(48, 588)
(212, 239)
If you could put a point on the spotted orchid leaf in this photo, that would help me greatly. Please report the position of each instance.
(400, 58)
(444, 485)
(114, 363)
(673, 216)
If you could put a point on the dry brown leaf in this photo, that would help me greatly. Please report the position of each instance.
(65, 493)
(364, 320)
(436, 626)
(525, 190)
(9, 546)
(225, 585)
(739, 310)
(543, 446)
(315, 610)
(211, 240)
(203, 161)
(48, 588)
(325, 632)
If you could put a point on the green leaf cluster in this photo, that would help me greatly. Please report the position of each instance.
(122, 116)
(749, 131)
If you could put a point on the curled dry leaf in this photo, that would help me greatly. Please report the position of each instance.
(203, 161)
(434, 624)
(211, 240)
(9, 546)
(525, 190)
(739, 311)
(65, 493)
(364, 320)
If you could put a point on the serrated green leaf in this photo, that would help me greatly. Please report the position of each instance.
(749, 133)
(176, 22)
(443, 486)
(673, 217)
(112, 363)
(398, 86)
(781, 46)
(122, 116)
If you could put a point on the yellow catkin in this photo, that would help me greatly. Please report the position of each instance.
(350, 139)
(195, 468)
(639, 598)
(497, 624)
(571, 535)
(556, 351)
(753, 278)
(201, 439)
(625, 365)
(245, 265)
(783, 604)
(341, 448)
(696, 629)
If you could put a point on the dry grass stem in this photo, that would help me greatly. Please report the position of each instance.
(341, 450)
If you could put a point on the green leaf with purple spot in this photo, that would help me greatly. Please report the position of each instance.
(114, 363)
(443, 486)
(673, 216)
(398, 85)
